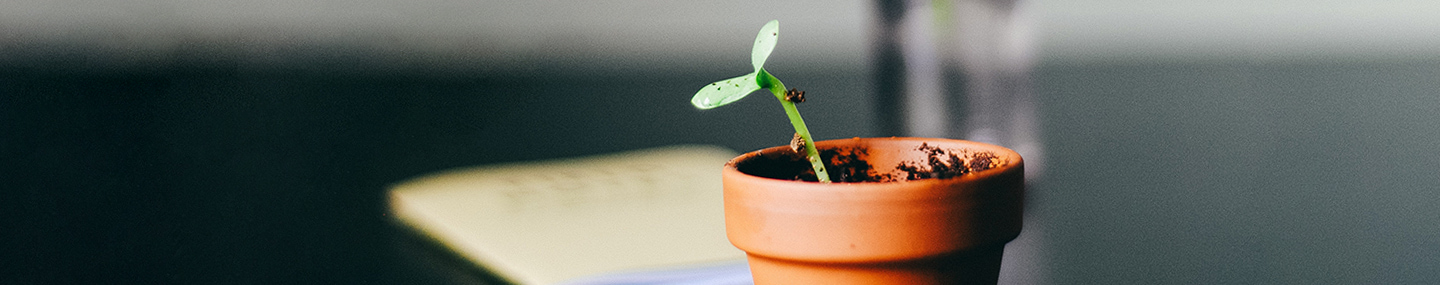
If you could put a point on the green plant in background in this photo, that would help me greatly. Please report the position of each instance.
(730, 90)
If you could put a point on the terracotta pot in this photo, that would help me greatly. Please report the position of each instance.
(925, 231)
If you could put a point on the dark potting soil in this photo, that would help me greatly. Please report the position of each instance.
(849, 165)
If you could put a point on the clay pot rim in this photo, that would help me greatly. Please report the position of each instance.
(1014, 163)
(874, 222)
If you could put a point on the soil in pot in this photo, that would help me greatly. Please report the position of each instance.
(851, 164)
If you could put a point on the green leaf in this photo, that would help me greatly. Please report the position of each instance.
(764, 44)
(725, 91)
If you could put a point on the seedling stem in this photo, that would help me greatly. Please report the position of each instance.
(726, 91)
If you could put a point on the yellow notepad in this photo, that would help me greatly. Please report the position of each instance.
(551, 221)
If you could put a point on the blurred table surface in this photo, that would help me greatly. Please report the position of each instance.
(1155, 172)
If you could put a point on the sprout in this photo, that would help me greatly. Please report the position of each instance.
(730, 90)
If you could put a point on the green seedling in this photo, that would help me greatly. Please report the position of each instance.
(730, 90)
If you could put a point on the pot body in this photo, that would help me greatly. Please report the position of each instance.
(927, 231)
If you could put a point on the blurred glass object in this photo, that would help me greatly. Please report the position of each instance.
(959, 69)
(963, 69)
